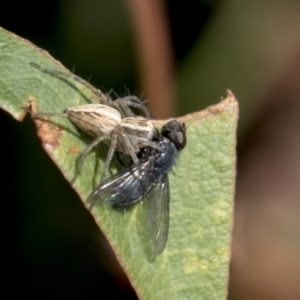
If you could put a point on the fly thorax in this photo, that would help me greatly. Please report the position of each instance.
(167, 158)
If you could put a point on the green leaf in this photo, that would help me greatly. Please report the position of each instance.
(194, 264)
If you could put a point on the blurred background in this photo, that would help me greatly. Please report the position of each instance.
(182, 55)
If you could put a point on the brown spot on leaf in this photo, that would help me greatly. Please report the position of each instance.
(73, 150)
(29, 107)
(47, 132)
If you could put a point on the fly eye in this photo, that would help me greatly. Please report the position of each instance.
(180, 140)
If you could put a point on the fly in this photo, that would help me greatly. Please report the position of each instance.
(148, 181)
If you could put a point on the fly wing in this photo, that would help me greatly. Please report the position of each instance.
(124, 188)
(157, 202)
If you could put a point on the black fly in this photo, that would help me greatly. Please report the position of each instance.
(148, 181)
